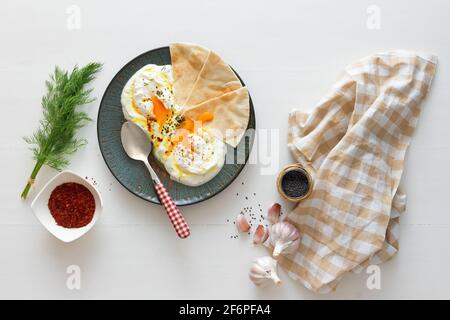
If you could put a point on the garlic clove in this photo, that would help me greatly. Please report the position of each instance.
(263, 271)
(242, 223)
(284, 237)
(261, 234)
(273, 214)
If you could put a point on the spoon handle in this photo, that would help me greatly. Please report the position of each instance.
(175, 215)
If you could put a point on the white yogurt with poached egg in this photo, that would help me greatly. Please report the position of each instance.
(189, 152)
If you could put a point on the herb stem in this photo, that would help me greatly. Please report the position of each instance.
(33, 175)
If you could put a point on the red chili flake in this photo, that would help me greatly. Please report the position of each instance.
(72, 205)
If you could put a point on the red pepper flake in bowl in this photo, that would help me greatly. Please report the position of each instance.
(72, 205)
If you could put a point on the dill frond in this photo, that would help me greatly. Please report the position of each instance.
(55, 138)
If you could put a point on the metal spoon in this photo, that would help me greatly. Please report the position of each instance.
(138, 147)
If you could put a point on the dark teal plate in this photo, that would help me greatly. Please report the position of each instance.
(133, 175)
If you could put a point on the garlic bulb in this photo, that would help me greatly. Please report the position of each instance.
(273, 214)
(263, 271)
(284, 238)
(261, 234)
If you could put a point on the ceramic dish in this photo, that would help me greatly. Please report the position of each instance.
(41, 211)
(132, 174)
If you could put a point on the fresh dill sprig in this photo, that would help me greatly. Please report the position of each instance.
(55, 139)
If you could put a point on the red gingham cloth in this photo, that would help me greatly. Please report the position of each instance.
(175, 216)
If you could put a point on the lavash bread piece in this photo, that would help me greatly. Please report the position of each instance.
(187, 62)
(215, 79)
(231, 114)
(203, 82)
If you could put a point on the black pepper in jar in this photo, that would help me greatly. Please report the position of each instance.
(294, 183)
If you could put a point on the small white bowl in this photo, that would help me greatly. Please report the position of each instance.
(42, 212)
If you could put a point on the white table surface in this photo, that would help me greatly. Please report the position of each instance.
(289, 53)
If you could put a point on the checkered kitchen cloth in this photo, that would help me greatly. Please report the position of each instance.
(354, 142)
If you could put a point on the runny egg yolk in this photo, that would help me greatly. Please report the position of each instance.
(205, 117)
(160, 111)
(188, 126)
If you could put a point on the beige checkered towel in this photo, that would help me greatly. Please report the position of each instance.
(355, 142)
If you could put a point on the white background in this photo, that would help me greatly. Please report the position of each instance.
(289, 53)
